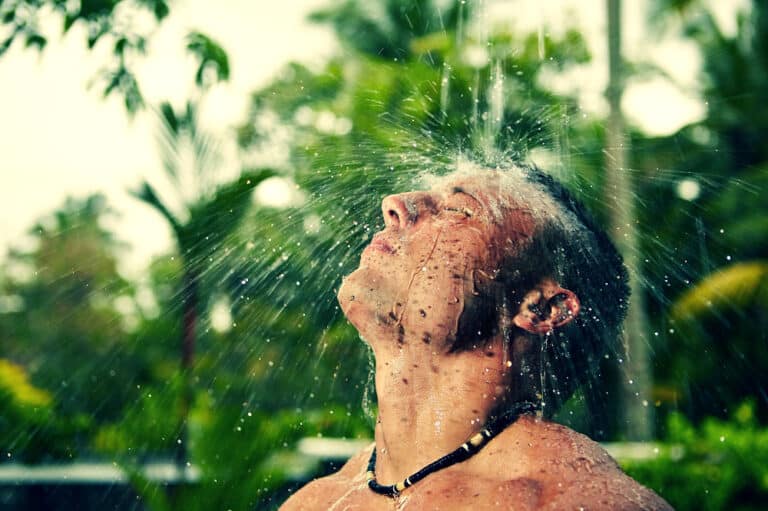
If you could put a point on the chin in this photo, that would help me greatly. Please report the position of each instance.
(349, 290)
(366, 299)
(354, 293)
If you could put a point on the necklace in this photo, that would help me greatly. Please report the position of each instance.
(465, 451)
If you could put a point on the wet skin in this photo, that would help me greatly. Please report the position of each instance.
(532, 465)
(414, 280)
(416, 274)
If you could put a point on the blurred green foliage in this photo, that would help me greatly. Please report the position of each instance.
(28, 408)
(718, 233)
(126, 26)
(719, 464)
(92, 363)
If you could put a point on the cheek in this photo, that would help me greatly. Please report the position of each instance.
(439, 291)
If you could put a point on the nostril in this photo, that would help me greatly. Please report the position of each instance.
(394, 212)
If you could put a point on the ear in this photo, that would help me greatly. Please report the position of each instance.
(546, 307)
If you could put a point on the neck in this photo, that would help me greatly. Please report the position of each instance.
(431, 402)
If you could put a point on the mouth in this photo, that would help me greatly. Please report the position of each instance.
(379, 245)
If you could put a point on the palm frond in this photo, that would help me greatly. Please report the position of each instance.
(147, 194)
(734, 287)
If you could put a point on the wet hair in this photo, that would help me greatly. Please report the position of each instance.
(571, 248)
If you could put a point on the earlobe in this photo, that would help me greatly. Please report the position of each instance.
(547, 307)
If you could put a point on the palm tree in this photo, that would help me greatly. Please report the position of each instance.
(203, 216)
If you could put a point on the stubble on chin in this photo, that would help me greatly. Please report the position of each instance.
(367, 301)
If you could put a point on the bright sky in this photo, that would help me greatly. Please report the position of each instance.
(59, 138)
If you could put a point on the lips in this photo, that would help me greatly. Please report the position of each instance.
(378, 244)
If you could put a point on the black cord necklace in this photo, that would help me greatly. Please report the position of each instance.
(465, 451)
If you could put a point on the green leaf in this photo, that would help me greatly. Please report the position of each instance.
(113, 82)
(161, 10)
(37, 40)
(133, 98)
(120, 45)
(210, 56)
(169, 118)
(147, 194)
(735, 286)
(5, 45)
(69, 20)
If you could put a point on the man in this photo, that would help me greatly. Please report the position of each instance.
(487, 300)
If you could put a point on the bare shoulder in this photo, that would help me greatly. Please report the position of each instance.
(534, 445)
(321, 493)
(602, 492)
(575, 472)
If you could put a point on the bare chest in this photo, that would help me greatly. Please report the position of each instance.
(446, 494)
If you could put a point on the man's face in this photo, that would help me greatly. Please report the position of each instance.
(417, 274)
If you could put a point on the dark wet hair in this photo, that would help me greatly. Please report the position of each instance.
(574, 250)
(588, 263)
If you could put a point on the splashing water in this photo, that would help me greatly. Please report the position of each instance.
(469, 109)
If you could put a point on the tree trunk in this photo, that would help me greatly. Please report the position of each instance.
(188, 338)
(635, 374)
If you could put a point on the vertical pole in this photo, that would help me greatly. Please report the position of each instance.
(637, 407)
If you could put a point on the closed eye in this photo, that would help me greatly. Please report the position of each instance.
(464, 211)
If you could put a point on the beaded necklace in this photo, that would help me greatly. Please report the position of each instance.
(465, 451)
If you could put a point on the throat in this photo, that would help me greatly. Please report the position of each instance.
(463, 452)
(432, 402)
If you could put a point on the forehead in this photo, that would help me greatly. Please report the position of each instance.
(500, 192)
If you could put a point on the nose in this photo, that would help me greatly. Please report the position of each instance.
(404, 209)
